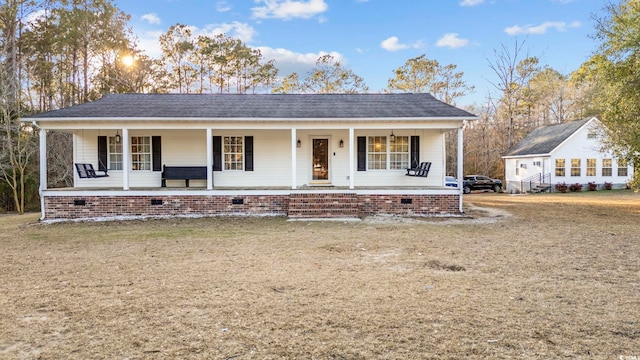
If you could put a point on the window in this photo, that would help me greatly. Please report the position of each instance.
(560, 167)
(115, 154)
(399, 153)
(622, 167)
(606, 167)
(233, 153)
(537, 163)
(377, 152)
(575, 167)
(140, 153)
(591, 167)
(592, 134)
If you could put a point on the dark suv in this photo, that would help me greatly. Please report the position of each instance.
(480, 182)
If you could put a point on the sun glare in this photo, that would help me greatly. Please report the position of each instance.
(127, 60)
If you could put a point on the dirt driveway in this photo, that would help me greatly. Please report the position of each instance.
(531, 277)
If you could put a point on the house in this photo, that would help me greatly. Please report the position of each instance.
(564, 153)
(302, 156)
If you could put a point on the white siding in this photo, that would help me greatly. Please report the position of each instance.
(578, 146)
(272, 159)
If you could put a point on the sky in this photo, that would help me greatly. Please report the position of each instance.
(374, 37)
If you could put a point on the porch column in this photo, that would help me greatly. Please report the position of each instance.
(126, 159)
(460, 164)
(209, 160)
(43, 169)
(352, 152)
(294, 158)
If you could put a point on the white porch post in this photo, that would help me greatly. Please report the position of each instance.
(294, 158)
(43, 169)
(209, 160)
(460, 164)
(126, 159)
(352, 147)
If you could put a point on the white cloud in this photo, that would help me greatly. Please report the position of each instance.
(452, 40)
(288, 61)
(222, 6)
(542, 28)
(289, 9)
(151, 18)
(471, 2)
(393, 44)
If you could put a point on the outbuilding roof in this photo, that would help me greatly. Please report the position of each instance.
(264, 106)
(545, 139)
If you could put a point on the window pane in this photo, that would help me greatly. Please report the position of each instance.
(233, 153)
(575, 167)
(377, 154)
(399, 153)
(591, 167)
(140, 153)
(560, 167)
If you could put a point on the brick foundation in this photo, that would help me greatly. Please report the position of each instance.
(293, 205)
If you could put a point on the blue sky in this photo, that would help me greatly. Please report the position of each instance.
(374, 37)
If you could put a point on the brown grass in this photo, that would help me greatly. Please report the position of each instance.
(559, 278)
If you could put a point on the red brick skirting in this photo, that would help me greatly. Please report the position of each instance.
(294, 205)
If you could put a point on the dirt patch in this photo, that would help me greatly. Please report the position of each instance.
(538, 277)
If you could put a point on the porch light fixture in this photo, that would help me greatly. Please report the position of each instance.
(299, 143)
(392, 137)
(341, 143)
(118, 136)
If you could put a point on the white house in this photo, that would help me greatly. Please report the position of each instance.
(564, 153)
(332, 155)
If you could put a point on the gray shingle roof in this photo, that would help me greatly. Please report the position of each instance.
(275, 106)
(545, 139)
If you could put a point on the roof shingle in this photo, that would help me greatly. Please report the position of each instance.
(545, 139)
(266, 106)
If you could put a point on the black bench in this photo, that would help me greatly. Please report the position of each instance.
(421, 170)
(86, 170)
(185, 173)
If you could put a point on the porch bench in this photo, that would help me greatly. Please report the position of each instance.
(185, 173)
(421, 170)
(86, 170)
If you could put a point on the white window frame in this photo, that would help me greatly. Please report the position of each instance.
(114, 154)
(141, 153)
(561, 171)
(233, 153)
(591, 167)
(574, 167)
(607, 167)
(388, 157)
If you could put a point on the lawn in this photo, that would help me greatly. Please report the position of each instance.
(531, 277)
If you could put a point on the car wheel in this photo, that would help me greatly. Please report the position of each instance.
(466, 189)
(497, 188)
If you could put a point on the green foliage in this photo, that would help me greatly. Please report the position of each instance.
(327, 77)
(613, 75)
(419, 75)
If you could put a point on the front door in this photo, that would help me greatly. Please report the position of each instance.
(320, 160)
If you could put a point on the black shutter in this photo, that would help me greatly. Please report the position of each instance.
(102, 153)
(362, 153)
(415, 151)
(156, 146)
(248, 153)
(217, 153)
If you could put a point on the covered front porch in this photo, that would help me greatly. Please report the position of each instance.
(340, 154)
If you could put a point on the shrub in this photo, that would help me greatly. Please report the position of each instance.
(562, 187)
(575, 187)
(608, 185)
(592, 186)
